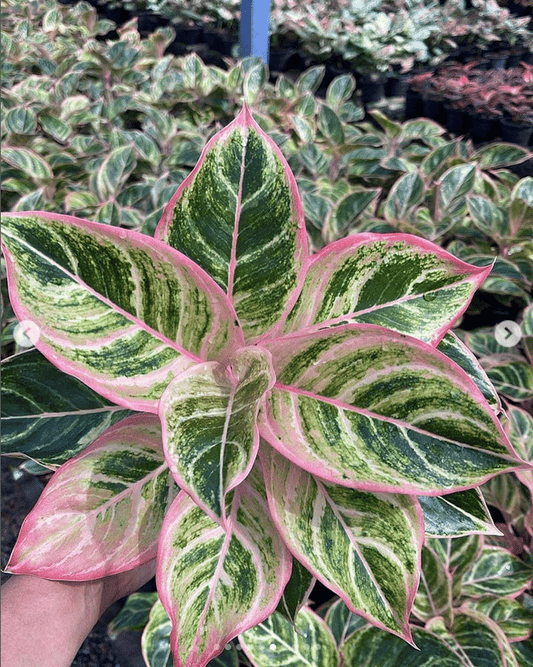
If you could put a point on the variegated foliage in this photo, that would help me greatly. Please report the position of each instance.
(227, 332)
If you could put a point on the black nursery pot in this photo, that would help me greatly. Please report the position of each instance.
(457, 121)
(483, 128)
(372, 90)
(433, 108)
(147, 23)
(189, 35)
(397, 85)
(516, 133)
(413, 104)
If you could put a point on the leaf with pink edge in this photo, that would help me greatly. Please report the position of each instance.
(239, 216)
(120, 311)
(362, 406)
(519, 427)
(216, 581)
(210, 436)
(510, 615)
(363, 546)
(497, 572)
(102, 511)
(278, 643)
(397, 281)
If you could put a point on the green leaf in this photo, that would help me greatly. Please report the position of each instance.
(519, 428)
(457, 514)
(458, 555)
(296, 591)
(369, 647)
(134, 614)
(511, 376)
(340, 90)
(405, 194)
(523, 652)
(397, 281)
(20, 120)
(348, 209)
(278, 643)
(155, 639)
(310, 79)
(114, 171)
(55, 127)
(500, 155)
(118, 310)
(342, 621)
(240, 217)
(330, 125)
(363, 546)
(391, 128)
(109, 501)
(80, 200)
(454, 184)
(488, 217)
(210, 437)
(434, 595)
(521, 208)
(216, 581)
(510, 615)
(28, 161)
(497, 572)
(434, 164)
(254, 82)
(48, 415)
(458, 352)
(303, 128)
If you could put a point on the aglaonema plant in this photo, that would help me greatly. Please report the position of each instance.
(290, 410)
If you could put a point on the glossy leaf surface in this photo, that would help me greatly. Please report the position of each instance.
(397, 281)
(210, 436)
(365, 547)
(361, 406)
(498, 572)
(47, 415)
(277, 643)
(216, 583)
(114, 308)
(102, 511)
(457, 514)
(240, 217)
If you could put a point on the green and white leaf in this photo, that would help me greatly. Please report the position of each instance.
(116, 309)
(457, 514)
(510, 615)
(210, 436)
(497, 572)
(277, 643)
(365, 547)
(216, 582)
(239, 216)
(47, 415)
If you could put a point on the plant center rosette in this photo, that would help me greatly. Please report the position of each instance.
(292, 414)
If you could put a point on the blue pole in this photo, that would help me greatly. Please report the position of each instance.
(254, 28)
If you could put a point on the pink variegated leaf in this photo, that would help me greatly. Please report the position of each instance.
(239, 216)
(210, 435)
(363, 546)
(102, 511)
(397, 281)
(216, 581)
(116, 309)
(369, 408)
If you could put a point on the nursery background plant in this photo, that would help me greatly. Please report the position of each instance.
(108, 129)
